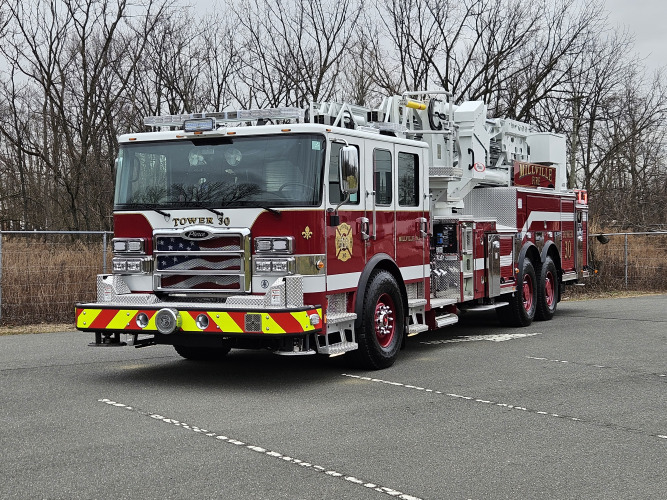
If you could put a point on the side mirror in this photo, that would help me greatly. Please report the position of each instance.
(349, 170)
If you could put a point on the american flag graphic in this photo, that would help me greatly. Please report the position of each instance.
(209, 264)
(224, 243)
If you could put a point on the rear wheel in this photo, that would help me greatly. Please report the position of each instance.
(523, 304)
(202, 353)
(383, 323)
(547, 291)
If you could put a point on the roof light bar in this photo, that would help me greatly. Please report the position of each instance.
(270, 114)
(243, 115)
(397, 128)
(199, 124)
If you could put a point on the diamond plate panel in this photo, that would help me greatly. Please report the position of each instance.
(446, 278)
(337, 303)
(445, 172)
(492, 203)
(112, 288)
(415, 290)
(294, 291)
(275, 297)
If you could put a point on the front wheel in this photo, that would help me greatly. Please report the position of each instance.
(202, 353)
(383, 323)
(523, 304)
(547, 291)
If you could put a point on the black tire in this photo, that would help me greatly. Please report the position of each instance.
(382, 323)
(547, 291)
(523, 303)
(202, 353)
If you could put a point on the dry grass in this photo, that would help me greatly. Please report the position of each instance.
(43, 277)
(646, 264)
(37, 328)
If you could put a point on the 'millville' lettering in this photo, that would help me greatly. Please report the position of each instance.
(545, 172)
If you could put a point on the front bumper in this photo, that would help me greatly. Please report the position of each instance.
(197, 318)
(280, 311)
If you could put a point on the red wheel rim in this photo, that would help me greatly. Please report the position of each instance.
(527, 292)
(385, 322)
(549, 289)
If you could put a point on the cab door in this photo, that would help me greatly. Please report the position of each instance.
(380, 199)
(410, 216)
(346, 237)
(395, 207)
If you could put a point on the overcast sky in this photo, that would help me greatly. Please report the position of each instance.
(646, 19)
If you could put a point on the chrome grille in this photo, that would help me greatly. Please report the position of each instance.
(215, 261)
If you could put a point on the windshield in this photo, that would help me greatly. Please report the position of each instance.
(283, 171)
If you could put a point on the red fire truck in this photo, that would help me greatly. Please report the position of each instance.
(334, 229)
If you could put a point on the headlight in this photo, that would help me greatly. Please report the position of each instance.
(119, 266)
(277, 244)
(276, 266)
(123, 265)
(263, 266)
(128, 245)
(279, 266)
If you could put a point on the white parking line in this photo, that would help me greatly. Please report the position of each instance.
(273, 454)
(592, 365)
(477, 338)
(508, 406)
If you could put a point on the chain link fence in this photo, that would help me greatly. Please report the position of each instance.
(629, 261)
(44, 273)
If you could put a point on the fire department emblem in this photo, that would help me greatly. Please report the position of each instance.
(343, 242)
(307, 233)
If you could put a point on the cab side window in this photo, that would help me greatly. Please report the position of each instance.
(335, 194)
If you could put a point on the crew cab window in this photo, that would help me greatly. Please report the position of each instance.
(408, 180)
(382, 176)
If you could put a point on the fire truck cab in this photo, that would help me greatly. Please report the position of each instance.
(336, 229)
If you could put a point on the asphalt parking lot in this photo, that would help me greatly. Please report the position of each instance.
(571, 408)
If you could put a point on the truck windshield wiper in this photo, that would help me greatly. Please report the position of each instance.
(212, 210)
(273, 211)
(146, 206)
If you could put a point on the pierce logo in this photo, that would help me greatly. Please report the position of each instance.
(196, 235)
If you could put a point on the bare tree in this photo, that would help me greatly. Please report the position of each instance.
(70, 55)
(74, 75)
(295, 48)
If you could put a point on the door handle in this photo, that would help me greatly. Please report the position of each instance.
(422, 227)
(364, 228)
